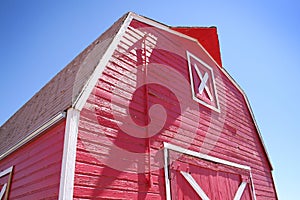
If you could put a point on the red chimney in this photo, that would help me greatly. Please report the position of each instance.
(207, 37)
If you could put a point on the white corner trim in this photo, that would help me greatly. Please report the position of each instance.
(69, 155)
(34, 134)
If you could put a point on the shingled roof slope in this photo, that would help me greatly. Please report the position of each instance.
(58, 94)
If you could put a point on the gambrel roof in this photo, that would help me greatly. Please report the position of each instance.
(71, 86)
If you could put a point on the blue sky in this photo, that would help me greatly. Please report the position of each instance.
(260, 47)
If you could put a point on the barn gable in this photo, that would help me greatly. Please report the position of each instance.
(208, 39)
(228, 131)
(209, 113)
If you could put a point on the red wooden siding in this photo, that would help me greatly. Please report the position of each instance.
(235, 139)
(37, 166)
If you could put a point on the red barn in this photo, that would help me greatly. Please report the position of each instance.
(145, 112)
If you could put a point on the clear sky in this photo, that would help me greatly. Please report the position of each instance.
(260, 47)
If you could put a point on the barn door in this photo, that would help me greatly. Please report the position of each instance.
(191, 177)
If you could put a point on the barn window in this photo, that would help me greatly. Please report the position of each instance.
(203, 82)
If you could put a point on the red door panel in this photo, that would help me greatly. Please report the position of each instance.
(216, 181)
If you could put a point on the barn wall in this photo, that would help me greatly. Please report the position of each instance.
(235, 139)
(37, 166)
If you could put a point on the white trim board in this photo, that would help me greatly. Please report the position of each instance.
(204, 156)
(168, 146)
(6, 171)
(69, 155)
(34, 134)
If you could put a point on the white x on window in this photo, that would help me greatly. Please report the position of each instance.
(203, 85)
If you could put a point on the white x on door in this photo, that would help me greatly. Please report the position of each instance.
(191, 177)
(193, 183)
